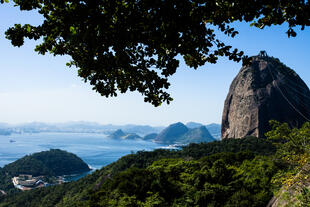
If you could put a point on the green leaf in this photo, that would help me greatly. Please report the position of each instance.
(28, 28)
(73, 30)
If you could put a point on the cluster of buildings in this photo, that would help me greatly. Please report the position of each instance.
(27, 182)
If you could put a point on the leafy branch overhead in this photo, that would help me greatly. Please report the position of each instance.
(133, 45)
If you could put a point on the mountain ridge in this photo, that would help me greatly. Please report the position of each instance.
(178, 133)
(94, 127)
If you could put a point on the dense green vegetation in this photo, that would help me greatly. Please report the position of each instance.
(241, 178)
(232, 172)
(48, 163)
(195, 167)
(53, 163)
(6, 182)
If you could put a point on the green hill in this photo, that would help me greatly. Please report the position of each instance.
(229, 171)
(54, 162)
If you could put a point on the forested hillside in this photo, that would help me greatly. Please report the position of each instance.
(50, 163)
(246, 172)
(53, 162)
(88, 187)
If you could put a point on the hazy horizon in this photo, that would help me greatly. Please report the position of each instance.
(91, 122)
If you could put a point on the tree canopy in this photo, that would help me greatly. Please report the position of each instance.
(134, 45)
(54, 162)
(196, 175)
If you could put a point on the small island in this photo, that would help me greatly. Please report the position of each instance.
(119, 134)
(44, 168)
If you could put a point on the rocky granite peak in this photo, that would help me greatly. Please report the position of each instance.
(264, 90)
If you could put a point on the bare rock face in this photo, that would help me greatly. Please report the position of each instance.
(265, 89)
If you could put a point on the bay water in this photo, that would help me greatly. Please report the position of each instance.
(97, 150)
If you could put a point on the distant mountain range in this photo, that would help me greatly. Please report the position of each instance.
(93, 127)
(214, 129)
(76, 127)
(193, 125)
(177, 133)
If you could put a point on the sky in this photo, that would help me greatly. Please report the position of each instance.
(43, 89)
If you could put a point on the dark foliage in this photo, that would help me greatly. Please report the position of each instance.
(121, 46)
(203, 172)
(52, 163)
(175, 182)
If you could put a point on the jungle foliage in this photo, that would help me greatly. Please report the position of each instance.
(54, 162)
(50, 163)
(246, 172)
(167, 176)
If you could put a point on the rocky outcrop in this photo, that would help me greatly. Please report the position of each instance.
(264, 90)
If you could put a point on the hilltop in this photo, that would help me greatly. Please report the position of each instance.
(54, 162)
(46, 165)
(178, 133)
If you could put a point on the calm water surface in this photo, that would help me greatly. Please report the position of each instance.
(96, 150)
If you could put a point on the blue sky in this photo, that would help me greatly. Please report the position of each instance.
(41, 88)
